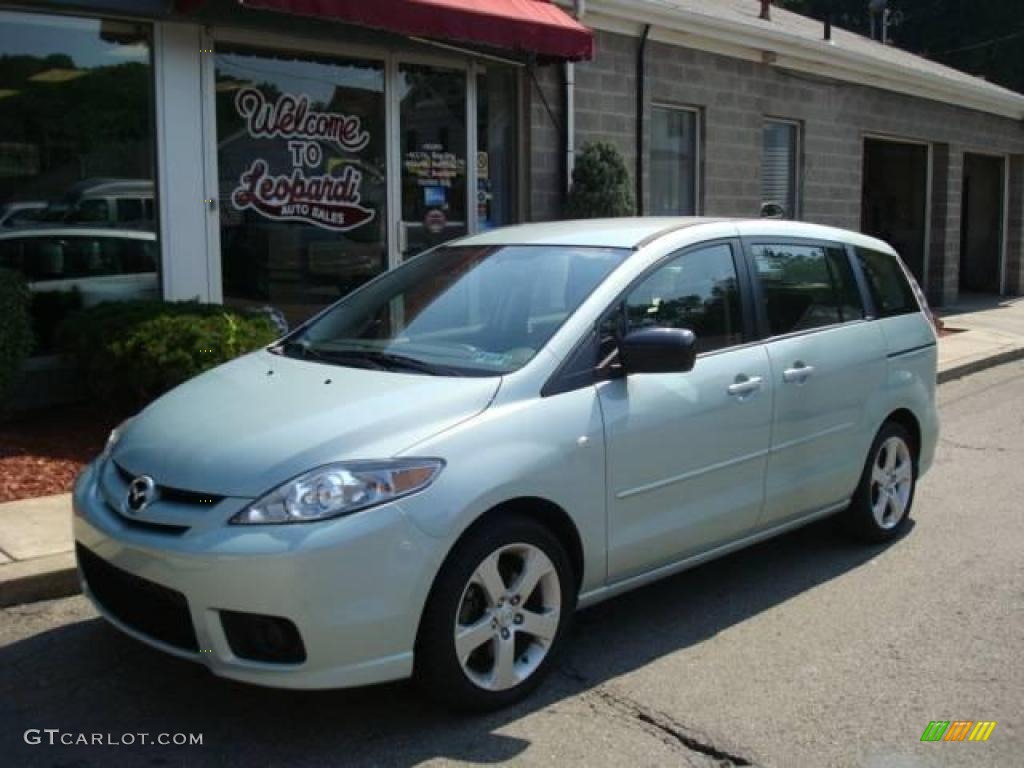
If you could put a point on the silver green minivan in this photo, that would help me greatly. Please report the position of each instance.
(429, 477)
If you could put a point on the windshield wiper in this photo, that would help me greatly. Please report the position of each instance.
(308, 352)
(393, 361)
(375, 358)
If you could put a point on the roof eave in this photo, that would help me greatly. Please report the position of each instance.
(818, 57)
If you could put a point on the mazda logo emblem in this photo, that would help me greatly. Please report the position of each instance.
(141, 491)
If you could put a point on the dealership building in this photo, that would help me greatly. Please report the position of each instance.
(280, 152)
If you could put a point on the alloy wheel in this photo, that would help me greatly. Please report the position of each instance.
(508, 617)
(892, 481)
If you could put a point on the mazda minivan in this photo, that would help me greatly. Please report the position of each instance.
(430, 476)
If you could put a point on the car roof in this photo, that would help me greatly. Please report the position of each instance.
(629, 232)
(635, 232)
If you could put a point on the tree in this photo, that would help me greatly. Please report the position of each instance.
(981, 37)
(600, 184)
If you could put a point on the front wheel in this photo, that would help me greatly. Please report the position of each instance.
(496, 617)
(880, 509)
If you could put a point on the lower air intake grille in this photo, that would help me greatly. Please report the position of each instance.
(144, 606)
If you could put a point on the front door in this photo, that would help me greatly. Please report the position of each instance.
(981, 224)
(433, 151)
(894, 204)
(686, 452)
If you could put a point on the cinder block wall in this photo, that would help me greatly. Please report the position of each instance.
(735, 96)
(546, 174)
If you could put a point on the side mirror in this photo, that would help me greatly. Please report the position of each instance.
(658, 350)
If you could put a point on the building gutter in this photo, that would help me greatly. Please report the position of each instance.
(760, 41)
(641, 86)
(579, 8)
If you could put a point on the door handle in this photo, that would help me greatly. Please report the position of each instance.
(798, 374)
(745, 385)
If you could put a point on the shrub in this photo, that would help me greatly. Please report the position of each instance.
(15, 327)
(133, 352)
(600, 184)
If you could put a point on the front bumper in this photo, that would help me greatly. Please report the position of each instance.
(354, 587)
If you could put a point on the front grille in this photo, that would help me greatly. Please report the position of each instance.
(174, 495)
(145, 525)
(146, 607)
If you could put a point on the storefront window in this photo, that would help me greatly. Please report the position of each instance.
(77, 212)
(303, 185)
(496, 148)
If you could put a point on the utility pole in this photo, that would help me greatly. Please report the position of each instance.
(879, 10)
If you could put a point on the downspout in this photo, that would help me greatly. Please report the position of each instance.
(570, 122)
(579, 8)
(641, 58)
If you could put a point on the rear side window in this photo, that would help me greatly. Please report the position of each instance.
(887, 282)
(806, 286)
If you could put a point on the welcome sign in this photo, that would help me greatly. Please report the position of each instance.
(331, 201)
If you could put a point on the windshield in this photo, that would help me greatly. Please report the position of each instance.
(458, 310)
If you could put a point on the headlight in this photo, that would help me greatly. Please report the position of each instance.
(340, 489)
(113, 438)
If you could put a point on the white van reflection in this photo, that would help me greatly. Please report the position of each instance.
(104, 203)
(101, 264)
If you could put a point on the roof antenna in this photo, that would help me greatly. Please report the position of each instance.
(828, 23)
(766, 10)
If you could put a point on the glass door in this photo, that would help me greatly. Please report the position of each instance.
(301, 150)
(433, 149)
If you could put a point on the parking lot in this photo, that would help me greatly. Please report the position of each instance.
(803, 651)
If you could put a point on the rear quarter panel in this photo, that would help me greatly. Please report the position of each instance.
(912, 356)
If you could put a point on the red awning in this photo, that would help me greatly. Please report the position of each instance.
(532, 26)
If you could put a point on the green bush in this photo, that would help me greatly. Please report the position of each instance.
(600, 184)
(15, 327)
(132, 352)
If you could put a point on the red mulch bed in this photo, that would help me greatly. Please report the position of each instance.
(42, 452)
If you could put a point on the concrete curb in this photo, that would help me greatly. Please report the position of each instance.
(42, 578)
(53, 576)
(975, 366)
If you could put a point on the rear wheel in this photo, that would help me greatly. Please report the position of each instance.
(496, 617)
(880, 509)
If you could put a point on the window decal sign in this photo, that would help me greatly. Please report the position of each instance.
(331, 200)
(291, 118)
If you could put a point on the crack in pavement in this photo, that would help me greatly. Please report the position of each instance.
(967, 447)
(671, 730)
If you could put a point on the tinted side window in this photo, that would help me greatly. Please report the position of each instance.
(698, 291)
(805, 287)
(888, 284)
(130, 209)
(91, 210)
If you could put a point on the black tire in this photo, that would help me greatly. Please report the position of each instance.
(437, 668)
(860, 519)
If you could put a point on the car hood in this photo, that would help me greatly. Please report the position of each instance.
(244, 427)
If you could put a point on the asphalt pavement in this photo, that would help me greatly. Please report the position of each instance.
(803, 651)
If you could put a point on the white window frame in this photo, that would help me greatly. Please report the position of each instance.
(798, 161)
(698, 159)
